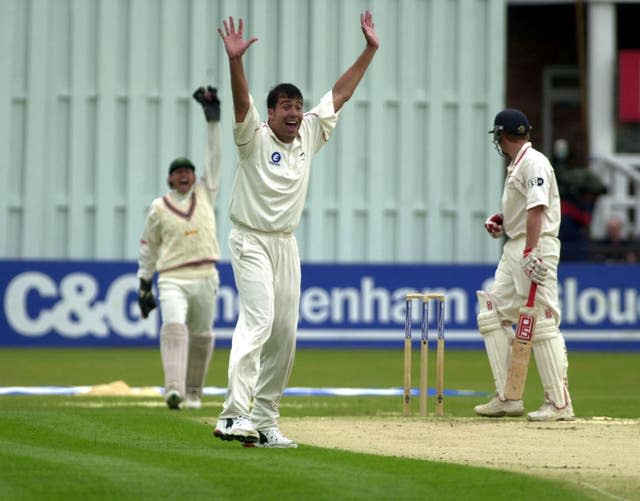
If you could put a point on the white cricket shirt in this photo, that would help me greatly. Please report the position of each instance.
(272, 178)
(530, 182)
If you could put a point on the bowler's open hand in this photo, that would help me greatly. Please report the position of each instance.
(234, 44)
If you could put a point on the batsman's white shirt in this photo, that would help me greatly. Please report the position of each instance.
(267, 201)
(530, 182)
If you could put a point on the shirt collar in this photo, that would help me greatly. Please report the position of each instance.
(521, 152)
(518, 157)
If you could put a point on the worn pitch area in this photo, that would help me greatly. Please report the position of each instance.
(598, 453)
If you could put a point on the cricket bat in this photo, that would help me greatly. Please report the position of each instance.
(521, 350)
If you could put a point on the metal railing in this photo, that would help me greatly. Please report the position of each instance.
(621, 175)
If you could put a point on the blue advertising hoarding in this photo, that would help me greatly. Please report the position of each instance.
(89, 303)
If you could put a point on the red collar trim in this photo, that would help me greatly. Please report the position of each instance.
(521, 155)
(186, 215)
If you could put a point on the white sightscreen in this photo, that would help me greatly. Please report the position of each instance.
(96, 101)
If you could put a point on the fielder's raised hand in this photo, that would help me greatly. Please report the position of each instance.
(208, 98)
(146, 301)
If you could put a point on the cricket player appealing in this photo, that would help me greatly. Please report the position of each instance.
(179, 242)
(274, 161)
(530, 219)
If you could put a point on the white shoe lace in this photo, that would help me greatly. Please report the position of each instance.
(243, 422)
(275, 436)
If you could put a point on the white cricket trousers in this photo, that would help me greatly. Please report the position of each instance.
(189, 301)
(509, 292)
(511, 286)
(266, 269)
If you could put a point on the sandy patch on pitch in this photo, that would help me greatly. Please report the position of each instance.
(120, 389)
(601, 454)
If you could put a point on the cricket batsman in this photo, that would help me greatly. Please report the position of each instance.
(530, 221)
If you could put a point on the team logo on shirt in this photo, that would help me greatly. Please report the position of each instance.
(275, 158)
(535, 181)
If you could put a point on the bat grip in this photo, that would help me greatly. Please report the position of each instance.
(532, 295)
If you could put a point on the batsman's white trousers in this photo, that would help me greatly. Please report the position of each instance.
(266, 269)
(511, 286)
(191, 302)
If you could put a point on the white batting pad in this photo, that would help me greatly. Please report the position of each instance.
(497, 341)
(200, 351)
(174, 344)
(551, 358)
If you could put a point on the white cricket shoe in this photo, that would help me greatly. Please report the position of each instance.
(222, 429)
(192, 401)
(549, 412)
(243, 430)
(173, 399)
(498, 408)
(274, 439)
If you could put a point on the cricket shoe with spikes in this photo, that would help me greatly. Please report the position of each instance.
(549, 412)
(173, 399)
(499, 408)
(222, 429)
(243, 430)
(192, 400)
(272, 438)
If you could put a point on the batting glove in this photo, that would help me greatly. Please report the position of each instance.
(146, 301)
(533, 267)
(208, 98)
(493, 224)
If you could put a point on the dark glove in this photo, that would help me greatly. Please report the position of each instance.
(146, 301)
(208, 98)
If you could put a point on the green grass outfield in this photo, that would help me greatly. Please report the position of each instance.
(70, 447)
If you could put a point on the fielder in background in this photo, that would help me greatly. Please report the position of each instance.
(274, 161)
(530, 219)
(179, 242)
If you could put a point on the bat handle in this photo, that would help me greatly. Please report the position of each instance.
(532, 295)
